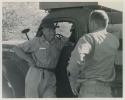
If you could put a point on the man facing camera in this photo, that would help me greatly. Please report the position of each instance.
(44, 50)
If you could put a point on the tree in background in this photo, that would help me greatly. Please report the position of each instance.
(18, 16)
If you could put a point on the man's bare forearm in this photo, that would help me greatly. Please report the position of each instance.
(19, 52)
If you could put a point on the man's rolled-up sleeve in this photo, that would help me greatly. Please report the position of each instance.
(76, 62)
(28, 46)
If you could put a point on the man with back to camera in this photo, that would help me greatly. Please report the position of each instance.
(40, 79)
(91, 66)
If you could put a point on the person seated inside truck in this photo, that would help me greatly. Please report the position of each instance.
(45, 49)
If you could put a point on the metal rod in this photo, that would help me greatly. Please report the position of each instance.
(27, 36)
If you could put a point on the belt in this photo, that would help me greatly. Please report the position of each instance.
(48, 69)
(92, 81)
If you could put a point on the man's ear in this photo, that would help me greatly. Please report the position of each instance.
(91, 26)
(94, 26)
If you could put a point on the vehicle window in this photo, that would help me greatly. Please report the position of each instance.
(63, 29)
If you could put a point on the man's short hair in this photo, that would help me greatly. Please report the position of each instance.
(100, 17)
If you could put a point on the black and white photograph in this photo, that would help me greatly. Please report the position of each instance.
(62, 49)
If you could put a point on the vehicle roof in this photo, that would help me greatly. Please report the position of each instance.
(57, 5)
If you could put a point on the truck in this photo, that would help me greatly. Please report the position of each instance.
(71, 21)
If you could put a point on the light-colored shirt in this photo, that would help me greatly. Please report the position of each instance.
(44, 53)
(93, 57)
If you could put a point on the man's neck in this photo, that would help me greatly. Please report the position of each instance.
(98, 30)
(51, 41)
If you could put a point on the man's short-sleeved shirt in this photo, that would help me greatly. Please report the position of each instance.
(44, 53)
(97, 51)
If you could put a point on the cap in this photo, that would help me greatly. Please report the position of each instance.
(48, 25)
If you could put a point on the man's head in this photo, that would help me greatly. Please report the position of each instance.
(98, 20)
(48, 31)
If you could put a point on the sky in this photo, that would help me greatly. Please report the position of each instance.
(115, 4)
(118, 5)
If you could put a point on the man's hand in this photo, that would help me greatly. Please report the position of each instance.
(74, 87)
(25, 56)
(31, 63)
(73, 80)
